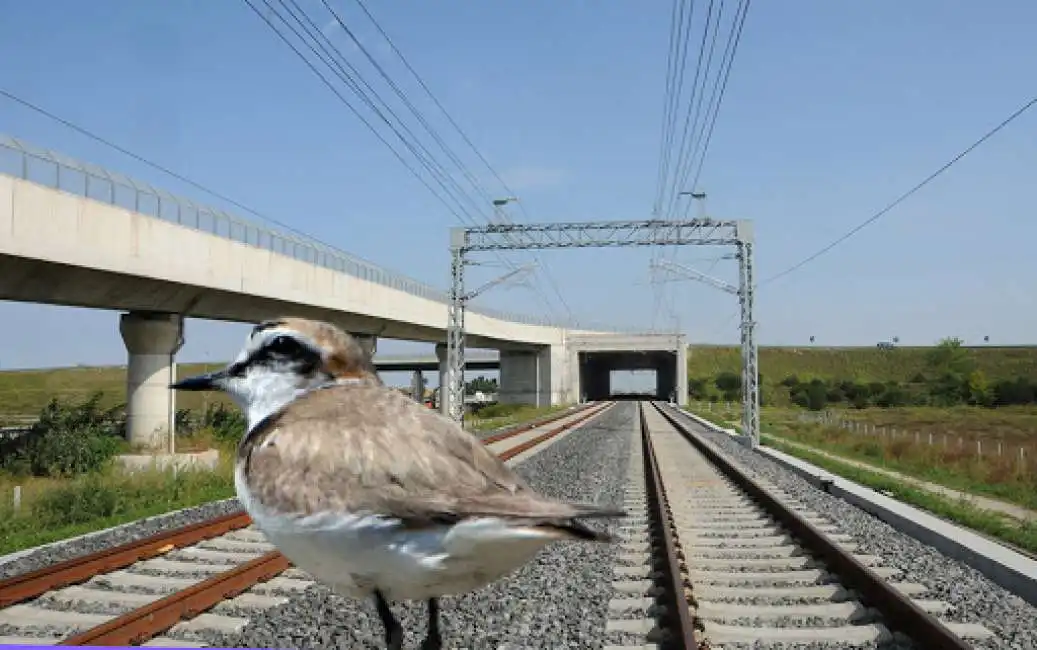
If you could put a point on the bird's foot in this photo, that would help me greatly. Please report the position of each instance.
(394, 639)
(432, 643)
(433, 639)
(393, 630)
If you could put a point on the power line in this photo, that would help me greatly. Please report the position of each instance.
(676, 64)
(685, 154)
(694, 107)
(424, 157)
(352, 108)
(676, 61)
(548, 275)
(732, 46)
(403, 97)
(454, 158)
(900, 199)
(334, 59)
(703, 122)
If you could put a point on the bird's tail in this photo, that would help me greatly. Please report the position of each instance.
(574, 529)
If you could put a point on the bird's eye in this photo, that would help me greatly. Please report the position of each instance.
(284, 345)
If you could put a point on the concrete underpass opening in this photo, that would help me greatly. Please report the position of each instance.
(617, 375)
(633, 384)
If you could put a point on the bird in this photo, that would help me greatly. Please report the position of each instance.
(367, 490)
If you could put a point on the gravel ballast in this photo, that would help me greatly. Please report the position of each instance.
(558, 600)
(973, 597)
(43, 556)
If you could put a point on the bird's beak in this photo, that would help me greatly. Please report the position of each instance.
(208, 381)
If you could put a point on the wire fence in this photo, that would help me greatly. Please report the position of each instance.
(57, 171)
(930, 437)
(979, 445)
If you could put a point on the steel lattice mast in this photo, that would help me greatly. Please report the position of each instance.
(604, 234)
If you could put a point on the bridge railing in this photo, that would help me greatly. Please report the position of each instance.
(60, 172)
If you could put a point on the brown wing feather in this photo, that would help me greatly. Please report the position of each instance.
(364, 447)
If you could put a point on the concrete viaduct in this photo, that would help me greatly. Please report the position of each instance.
(76, 235)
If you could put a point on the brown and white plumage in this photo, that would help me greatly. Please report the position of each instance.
(368, 490)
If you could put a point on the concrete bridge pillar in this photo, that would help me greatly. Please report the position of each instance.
(152, 340)
(520, 377)
(369, 342)
(441, 356)
(417, 386)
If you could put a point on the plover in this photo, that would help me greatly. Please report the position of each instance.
(368, 491)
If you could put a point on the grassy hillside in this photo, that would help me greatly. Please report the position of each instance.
(862, 363)
(24, 392)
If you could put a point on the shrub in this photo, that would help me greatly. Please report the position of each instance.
(893, 395)
(227, 423)
(816, 396)
(698, 388)
(219, 421)
(835, 394)
(730, 385)
(68, 439)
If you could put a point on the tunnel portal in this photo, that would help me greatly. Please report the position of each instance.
(596, 369)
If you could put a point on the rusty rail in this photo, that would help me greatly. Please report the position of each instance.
(139, 625)
(547, 435)
(533, 424)
(678, 632)
(20, 588)
(897, 608)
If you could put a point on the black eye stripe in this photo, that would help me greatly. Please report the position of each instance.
(283, 345)
(281, 349)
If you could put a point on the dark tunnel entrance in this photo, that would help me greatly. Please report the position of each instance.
(596, 370)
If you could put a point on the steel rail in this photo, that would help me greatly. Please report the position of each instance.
(138, 625)
(507, 432)
(898, 609)
(679, 631)
(25, 586)
(143, 623)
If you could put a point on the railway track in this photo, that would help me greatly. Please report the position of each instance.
(204, 577)
(756, 568)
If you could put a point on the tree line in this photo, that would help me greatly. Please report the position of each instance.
(950, 378)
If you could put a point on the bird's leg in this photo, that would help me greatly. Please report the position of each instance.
(393, 630)
(433, 640)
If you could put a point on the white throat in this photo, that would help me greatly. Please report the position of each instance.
(261, 395)
(268, 394)
(266, 404)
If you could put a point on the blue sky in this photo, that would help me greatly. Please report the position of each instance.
(832, 110)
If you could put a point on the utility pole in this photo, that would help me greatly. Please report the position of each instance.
(454, 391)
(750, 354)
(606, 234)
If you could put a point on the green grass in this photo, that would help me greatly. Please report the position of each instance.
(948, 463)
(53, 510)
(25, 392)
(863, 363)
(499, 416)
(1023, 535)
